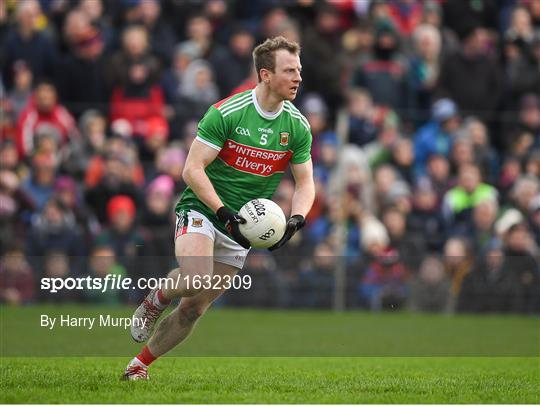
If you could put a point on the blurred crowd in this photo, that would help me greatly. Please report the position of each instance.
(426, 145)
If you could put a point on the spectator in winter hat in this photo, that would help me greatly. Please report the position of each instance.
(157, 222)
(125, 238)
(436, 136)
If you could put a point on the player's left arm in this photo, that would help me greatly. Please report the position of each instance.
(304, 191)
(303, 197)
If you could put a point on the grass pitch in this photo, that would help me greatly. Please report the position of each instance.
(250, 356)
(274, 380)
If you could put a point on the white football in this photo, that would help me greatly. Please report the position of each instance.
(265, 222)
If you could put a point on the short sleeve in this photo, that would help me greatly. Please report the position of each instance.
(302, 147)
(212, 129)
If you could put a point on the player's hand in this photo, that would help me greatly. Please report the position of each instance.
(294, 224)
(232, 220)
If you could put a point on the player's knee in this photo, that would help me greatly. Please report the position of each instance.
(191, 313)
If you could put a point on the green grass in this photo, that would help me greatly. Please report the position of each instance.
(274, 380)
(252, 356)
(228, 332)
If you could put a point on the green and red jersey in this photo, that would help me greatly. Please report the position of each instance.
(254, 147)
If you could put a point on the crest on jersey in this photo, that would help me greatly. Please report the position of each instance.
(283, 139)
(195, 222)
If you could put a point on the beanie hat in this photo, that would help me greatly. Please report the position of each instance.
(120, 203)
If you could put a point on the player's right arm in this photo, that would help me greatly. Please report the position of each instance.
(204, 150)
(199, 157)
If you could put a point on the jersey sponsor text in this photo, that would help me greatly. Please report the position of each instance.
(254, 160)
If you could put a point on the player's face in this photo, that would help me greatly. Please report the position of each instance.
(286, 79)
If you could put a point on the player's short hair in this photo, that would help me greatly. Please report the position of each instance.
(264, 54)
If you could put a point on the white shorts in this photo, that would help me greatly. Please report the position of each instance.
(226, 250)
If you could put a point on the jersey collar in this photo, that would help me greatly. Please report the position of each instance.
(265, 114)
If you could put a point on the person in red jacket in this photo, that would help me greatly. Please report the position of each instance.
(43, 111)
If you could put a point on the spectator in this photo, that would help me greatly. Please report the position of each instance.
(20, 95)
(135, 50)
(403, 159)
(425, 221)
(116, 180)
(94, 10)
(509, 173)
(520, 74)
(44, 110)
(321, 42)
(232, 66)
(133, 72)
(16, 278)
(438, 173)
(267, 288)
(433, 15)
(126, 240)
(197, 91)
(57, 265)
(54, 229)
(520, 264)
(457, 264)
(15, 209)
(424, 68)
(316, 112)
(199, 30)
(436, 137)
(534, 218)
(384, 283)
(67, 193)
(385, 75)
(352, 169)
(480, 94)
(484, 153)
(78, 156)
(532, 166)
(39, 186)
(484, 216)
(23, 42)
(390, 190)
(102, 263)
(161, 35)
(156, 220)
(81, 75)
(357, 44)
(183, 55)
(525, 189)
(460, 17)
(316, 283)
(464, 197)
(461, 153)
(410, 247)
(490, 287)
(170, 161)
(379, 150)
(9, 159)
(121, 147)
(359, 118)
(140, 99)
(430, 289)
